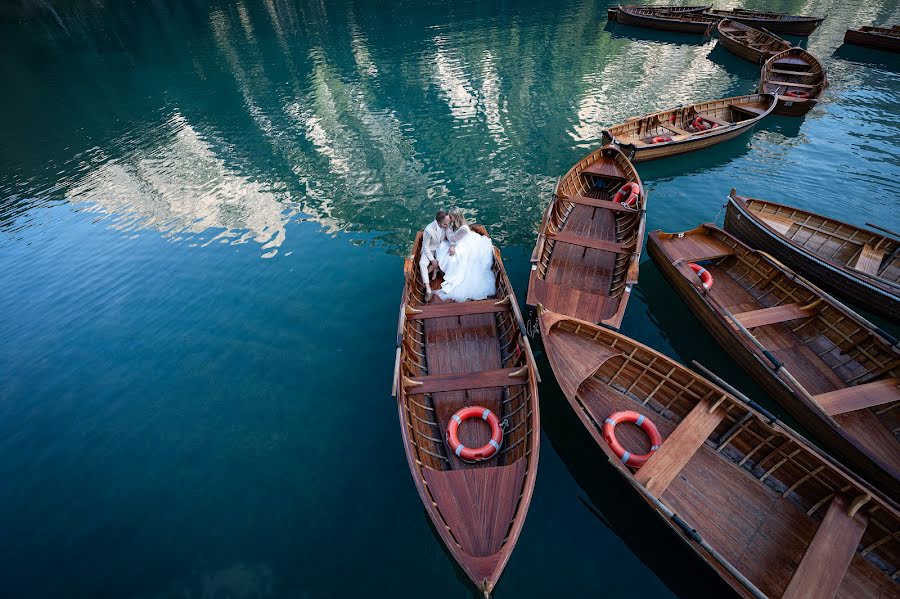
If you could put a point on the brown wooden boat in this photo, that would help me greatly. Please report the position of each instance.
(858, 265)
(772, 515)
(451, 355)
(880, 38)
(586, 258)
(682, 22)
(755, 45)
(613, 11)
(828, 367)
(796, 77)
(677, 130)
(772, 21)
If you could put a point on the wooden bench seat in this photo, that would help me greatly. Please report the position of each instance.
(788, 72)
(678, 448)
(607, 204)
(604, 167)
(859, 397)
(438, 383)
(782, 224)
(747, 109)
(712, 119)
(773, 315)
(673, 128)
(589, 242)
(791, 84)
(869, 259)
(447, 309)
(824, 565)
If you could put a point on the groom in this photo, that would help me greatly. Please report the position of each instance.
(434, 234)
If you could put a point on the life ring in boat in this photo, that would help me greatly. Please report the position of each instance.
(702, 124)
(661, 138)
(486, 451)
(705, 277)
(796, 93)
(628, 458)
(629, 188)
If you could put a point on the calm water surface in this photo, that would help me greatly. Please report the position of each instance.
(204, 208)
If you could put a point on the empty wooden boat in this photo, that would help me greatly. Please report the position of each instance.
(856, 264)
(586, 258)
(470, 354)
(828, 367)
(682, 22)
(772, 21)
(772, 515)
(688, 128)
(796, 77)
(880, 38)
(750, 44)
(613, 11)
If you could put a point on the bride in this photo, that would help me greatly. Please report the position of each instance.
(467, 261)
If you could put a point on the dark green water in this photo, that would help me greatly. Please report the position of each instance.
(204, 208)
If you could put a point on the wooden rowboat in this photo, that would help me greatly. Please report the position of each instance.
(613, 11)
(683, 22)
(586, 258)
(773, 21)
(755, 45)
(881, 38)
(796, 77)
(675, 131)
(858, 265)
(772, 515)
(828, 367)
(451, 355)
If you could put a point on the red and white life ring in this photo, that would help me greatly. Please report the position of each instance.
(797, 93)
(661, 138)
(705, 277)
(486, 451)
(629, 188)
(628, 458)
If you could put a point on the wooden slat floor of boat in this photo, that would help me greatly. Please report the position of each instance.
(448, 309)
(859, 397)
(693, 248)
(464, 344)
(762, 533)
(478, 504)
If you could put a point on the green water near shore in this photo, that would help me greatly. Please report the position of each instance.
(204, 209)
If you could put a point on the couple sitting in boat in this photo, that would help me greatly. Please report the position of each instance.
(465, 258)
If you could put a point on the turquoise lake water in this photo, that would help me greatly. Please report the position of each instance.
(204, 209)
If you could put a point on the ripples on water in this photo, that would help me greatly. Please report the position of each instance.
(185, 388)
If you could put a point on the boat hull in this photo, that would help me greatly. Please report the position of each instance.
(691, 145)
(825, 430)
(830, 277)
(663, 24)
(872, 40)
(745, 51)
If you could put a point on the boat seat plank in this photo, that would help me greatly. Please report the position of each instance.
(604, 167)
(773, 315)
(869, 259)
(792, 84)
(678, 448)
(859, 397)
(461, 381)
(712, 119)
(673, 128)
(607, 204)
(822, 569)
(563, 299)
(782, 224)
(788, 72)
(449, 309)
(588, 242)
(748, 109)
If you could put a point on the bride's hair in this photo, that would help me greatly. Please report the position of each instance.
(457, 220)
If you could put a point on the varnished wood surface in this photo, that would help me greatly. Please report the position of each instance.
(859, 397)
(881, 38)
(668, 21)
(775, 22)
(749, 43)
(756, 492)
(829, 350)
(793, 69)
(447, 309)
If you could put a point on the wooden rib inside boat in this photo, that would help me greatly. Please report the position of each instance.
(613, 11)
(772, 21)
(751, 44)
(881, 38)
(683, 22)
(688, 128)
(770, 513)
(856, 264)
(832, 370)
(449, 356)
(796, 77)
(588, 249)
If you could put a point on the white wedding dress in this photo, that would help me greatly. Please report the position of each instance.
(468, 274)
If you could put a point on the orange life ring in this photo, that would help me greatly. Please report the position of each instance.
(486, 451)
(704, 275)
(702, 124)
(794, 93)
(631, 187)
(628, 458)
(661, 138)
